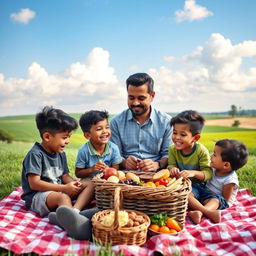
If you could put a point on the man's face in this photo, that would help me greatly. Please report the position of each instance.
(139, 99)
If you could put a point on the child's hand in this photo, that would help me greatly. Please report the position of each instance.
(99, 166)
(187, 174)
(72, 188)
(174, 171)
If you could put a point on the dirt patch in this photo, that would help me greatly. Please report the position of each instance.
(245, 122)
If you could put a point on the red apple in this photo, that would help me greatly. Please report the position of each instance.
(110, 172)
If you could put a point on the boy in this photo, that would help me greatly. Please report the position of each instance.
(220, 191)
(98, 153)
(46, 181)
(187, 157)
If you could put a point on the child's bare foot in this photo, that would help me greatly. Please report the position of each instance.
(214, 216)
(195, 216)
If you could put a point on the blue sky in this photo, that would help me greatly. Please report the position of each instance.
(76, 55)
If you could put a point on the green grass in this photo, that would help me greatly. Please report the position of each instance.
(12, 155)
(248, 137)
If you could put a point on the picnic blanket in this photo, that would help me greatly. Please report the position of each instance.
(23, 231)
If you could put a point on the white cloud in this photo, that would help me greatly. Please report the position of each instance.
(23, 16)
(83, 86)
(211, 78)
(192, 12)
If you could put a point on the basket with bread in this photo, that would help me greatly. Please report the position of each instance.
(146, 192)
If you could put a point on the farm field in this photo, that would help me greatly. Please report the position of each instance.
(25, 133)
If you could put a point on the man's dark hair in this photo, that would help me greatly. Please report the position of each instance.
(234, 152)
(90, 118)
(139, 79)
(54, 120)
(190, 117)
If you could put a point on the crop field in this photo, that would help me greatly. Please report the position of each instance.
(24, 130)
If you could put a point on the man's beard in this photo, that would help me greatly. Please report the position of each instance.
(137, 112)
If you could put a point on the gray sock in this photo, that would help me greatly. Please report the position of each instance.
(89, 212)
(76, 225)
(53, 219)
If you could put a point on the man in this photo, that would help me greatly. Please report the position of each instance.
(142, 133)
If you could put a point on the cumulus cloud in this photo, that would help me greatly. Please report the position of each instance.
(214, 74)
(23, 16)
(191, 12)
(83, 86)
(211, 78)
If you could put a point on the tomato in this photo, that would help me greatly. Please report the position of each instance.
(110, 172)
(173, 224)
(164, 229)
(163, 181)
(154, 227)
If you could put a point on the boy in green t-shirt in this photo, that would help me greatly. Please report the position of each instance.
(187, 158)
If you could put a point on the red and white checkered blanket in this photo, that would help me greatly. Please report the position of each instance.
(22, 231)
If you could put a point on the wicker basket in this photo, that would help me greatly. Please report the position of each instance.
(119, 235)
(170, 200)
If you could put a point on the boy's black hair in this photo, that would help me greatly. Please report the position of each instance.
(54, 120)
(139, 79)
(90, 118)
(190, 117)
(234, 152)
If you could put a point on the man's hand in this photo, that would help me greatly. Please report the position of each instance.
(148, 165)
(131, 163)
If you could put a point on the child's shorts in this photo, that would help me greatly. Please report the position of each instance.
(201, 193)
(39, 203)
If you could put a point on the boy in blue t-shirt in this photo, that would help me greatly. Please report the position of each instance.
(98, 153)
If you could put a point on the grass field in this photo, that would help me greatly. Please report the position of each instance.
(25, 133)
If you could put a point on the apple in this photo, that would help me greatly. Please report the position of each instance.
(110, 172)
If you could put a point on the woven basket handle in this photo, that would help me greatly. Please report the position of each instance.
(117, 198)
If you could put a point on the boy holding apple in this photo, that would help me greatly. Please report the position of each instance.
(98, 153)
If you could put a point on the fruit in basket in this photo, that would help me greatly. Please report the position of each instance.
(154, 227)
(163, 174)
(121, 175)
(113, 179)
(173, 224)
(150, 184)
(163, 181)
(132, 176)
(110, 172)
(109, 219)
(164, 229)
(129, 182)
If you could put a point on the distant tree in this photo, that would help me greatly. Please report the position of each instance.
(236, 123)
(233, 111)
(6, 136)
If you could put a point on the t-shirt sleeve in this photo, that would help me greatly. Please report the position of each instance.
(172, 157)
(204, 163)
(81, 160)
(116, 157)
(33, 164)
(232, 179)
